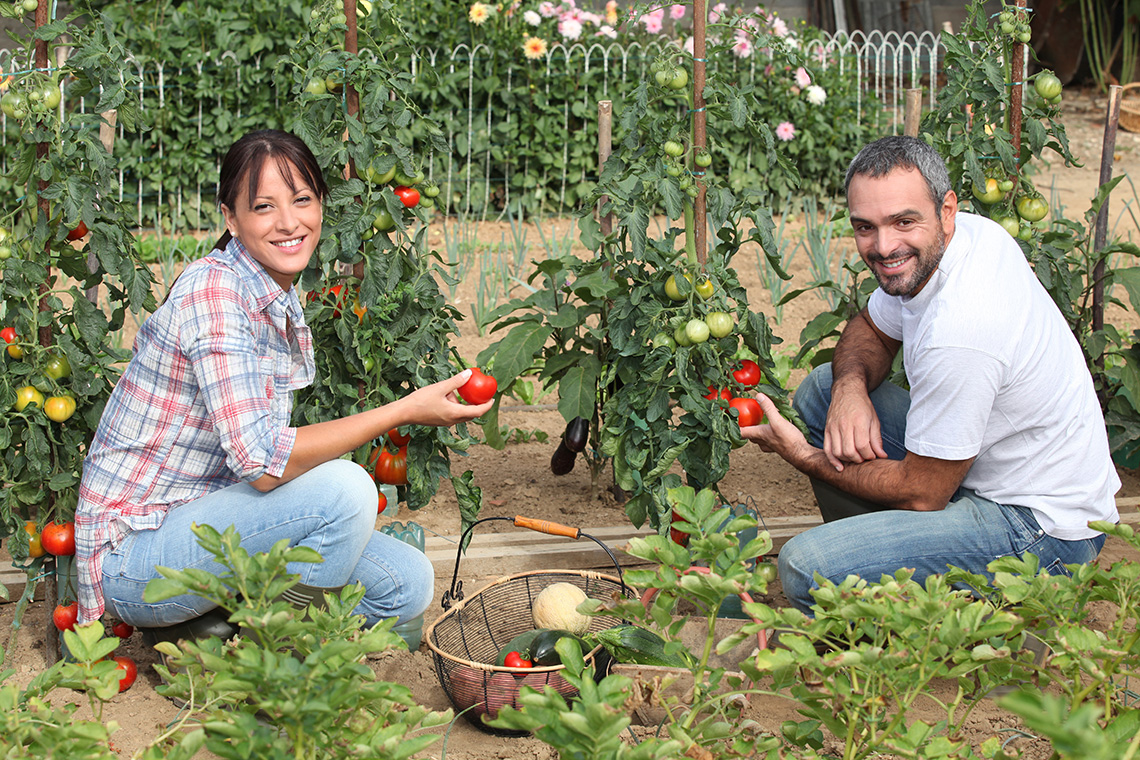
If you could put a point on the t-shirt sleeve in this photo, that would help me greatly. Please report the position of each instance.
(951, 402)
(219, 338)
(886, 312)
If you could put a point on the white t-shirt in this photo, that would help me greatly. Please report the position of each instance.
(996, 373)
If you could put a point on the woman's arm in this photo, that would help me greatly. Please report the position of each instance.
(435, 405)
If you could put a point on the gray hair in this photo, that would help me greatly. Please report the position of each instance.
(886, 154)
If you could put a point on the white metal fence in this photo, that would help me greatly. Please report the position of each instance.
(883, 65)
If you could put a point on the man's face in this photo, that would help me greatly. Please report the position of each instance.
(899, 232)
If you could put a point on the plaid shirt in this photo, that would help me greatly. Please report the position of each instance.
(205, 403)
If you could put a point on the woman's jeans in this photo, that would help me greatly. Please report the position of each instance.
(969, 533)
(331, 508)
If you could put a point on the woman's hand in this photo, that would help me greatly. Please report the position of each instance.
(439, 405)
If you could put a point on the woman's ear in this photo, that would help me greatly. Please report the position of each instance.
(231, 222)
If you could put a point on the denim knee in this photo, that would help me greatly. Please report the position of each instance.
(351, 493)
(796, 582)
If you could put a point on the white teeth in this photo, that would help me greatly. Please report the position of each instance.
(289, 243)
(893, 264)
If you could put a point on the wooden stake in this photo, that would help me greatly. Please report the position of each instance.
(1017, 74)
(700, 130)
(605, 147)
(913, 113)
(1107, 154)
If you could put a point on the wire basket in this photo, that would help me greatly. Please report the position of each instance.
(465, 640)
(1130, 109)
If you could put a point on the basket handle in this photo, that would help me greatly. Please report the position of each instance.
(455, 594)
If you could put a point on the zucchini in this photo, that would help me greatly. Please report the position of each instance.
(639, 646)
(542, 647)
(521, 644)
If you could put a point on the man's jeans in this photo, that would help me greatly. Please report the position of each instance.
(331, 508)
(969, 533)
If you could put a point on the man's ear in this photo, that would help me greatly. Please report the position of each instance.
(948, 212)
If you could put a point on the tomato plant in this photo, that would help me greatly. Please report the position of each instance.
(479, 388)
(65, 615)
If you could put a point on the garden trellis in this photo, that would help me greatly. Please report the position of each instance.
(883, 65)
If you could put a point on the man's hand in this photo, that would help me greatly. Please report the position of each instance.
(777, 435)
(852, 433)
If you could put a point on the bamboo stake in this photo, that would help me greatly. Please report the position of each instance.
(605, 147)
(1107, 154)
(700, 131)
(1017, 74)
(913, 113)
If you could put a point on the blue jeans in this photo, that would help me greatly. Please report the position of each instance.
(331, 508)
(969, 533)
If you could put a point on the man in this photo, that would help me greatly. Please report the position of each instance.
(999, 448)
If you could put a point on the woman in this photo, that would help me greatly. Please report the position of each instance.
(197, 429)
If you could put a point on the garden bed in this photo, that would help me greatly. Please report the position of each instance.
(517, 481)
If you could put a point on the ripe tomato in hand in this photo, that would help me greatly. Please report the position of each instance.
(65, 616)
(391, 468)
(749, 411)
(59, 539)
(516, 660)
(748, 374)
(128, 672)
(479, 388)
(122, 630)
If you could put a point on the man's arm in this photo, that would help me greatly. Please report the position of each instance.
(862, 361)
(915, 483)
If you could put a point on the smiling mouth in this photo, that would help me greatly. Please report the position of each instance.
(289, 243)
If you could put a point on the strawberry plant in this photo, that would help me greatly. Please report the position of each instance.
(386, 329)
(62, 172)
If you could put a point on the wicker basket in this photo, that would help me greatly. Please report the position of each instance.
(465, 640)
(1130, 109)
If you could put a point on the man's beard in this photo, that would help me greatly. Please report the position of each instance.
(926, 261)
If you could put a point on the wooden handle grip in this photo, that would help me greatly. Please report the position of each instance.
(545, 526)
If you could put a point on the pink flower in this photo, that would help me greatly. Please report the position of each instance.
(676, 12)
(570, 29)
(688, 46)
(742, 48)
(652, 23)
(547, 9)
(714, 14)
(803, 78)
(779, 27)
(607, 31)
(785, 130)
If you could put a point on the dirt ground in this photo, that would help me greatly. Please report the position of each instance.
(517, 480)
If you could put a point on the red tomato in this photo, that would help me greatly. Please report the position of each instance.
(129, 672)
(382, 504)
(749, 411)
(397, 438)
(409, 196)
(516, 660)
(712, 394)
(8, 334)
(679, 536)
(122, 630)
(479, 388)
(78, 232)
(65, 616)
(58, 539)
(331, 295)
(748, 374)
(391, 468)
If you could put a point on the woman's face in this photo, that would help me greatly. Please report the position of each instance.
(280, 227)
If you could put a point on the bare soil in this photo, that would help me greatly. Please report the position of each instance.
(517, 480)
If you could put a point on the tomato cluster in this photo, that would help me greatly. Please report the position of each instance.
(58, 407)
(1015, 23)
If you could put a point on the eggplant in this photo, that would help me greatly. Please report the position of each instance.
(576, 434)
(563, 460)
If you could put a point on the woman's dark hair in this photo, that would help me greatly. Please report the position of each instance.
(246, 158)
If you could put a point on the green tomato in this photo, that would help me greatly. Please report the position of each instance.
(30, 5)
(14, 105)
(1024, 37)
(681, 336)
(673, 169)
(705, 288)
(679, 79)
(1005, 185)
(702, 158)
(57, 367)
(368, 363)
(383, 221)
(430, 191)
(663, 339)
(407, 180)
(5, 252)
(316, 87)
(1032, 208)
(989, 194)
(51, 96)
(720, 324)
(672, 290)
(663, 77)
(1010, 223)
(1047, 85)
(1025, 232)
(673, 148)
(697, 331)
